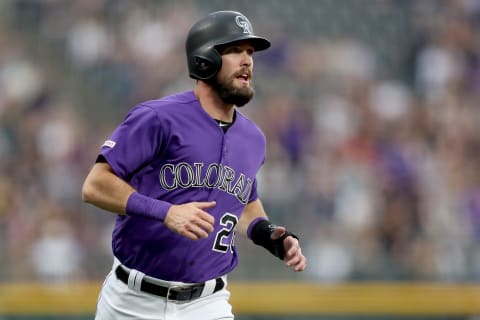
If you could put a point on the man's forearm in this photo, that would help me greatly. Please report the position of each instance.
(104, 189)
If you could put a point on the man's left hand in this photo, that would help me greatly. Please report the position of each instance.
(293, 252)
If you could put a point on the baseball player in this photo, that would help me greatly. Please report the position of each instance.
(180, 172)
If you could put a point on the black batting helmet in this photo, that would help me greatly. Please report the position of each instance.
(216, 29)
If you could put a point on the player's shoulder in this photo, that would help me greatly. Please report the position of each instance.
(170, 102)
(249, 124)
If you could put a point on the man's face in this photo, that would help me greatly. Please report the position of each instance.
(234, 82)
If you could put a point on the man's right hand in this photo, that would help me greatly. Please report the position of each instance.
(190, 220)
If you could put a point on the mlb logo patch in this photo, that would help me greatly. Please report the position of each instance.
(109, 143)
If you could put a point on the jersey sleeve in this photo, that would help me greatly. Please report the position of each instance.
(135, 142)
(254, 193)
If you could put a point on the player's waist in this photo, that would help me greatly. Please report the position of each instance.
(171, 290)
(178, 265)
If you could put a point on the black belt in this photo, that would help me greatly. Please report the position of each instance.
(173, 293)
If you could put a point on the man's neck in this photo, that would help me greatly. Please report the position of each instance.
(212, 104)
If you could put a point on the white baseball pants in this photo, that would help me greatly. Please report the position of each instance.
(118, 302)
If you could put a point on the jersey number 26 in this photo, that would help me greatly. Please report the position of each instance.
(228, 223)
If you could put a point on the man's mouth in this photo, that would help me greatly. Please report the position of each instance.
(243, 77)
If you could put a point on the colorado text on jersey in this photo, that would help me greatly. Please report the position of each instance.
(215, 175)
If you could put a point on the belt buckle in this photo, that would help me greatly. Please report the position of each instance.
(171, 292)
(181, 293)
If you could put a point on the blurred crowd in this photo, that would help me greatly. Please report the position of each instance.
(371, 111)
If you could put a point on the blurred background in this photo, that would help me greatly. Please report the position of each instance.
(371, 109)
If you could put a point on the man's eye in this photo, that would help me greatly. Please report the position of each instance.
(234, 50)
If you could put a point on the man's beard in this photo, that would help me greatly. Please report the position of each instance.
(231, 95)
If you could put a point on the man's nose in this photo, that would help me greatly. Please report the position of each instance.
(247, 59)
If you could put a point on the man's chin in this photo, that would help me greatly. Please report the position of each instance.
(237, 99)
(232, 94)
(243, 96)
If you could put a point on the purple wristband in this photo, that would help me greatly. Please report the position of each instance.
(252, 224)
(143, 206)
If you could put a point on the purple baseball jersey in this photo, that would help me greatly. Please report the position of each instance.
(171, 149)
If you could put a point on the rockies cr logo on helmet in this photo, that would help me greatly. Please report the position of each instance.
(243, 23)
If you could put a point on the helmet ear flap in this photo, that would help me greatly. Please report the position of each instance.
(204, 64)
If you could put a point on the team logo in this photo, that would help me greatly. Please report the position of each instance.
(109, 143)
(243, 23)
